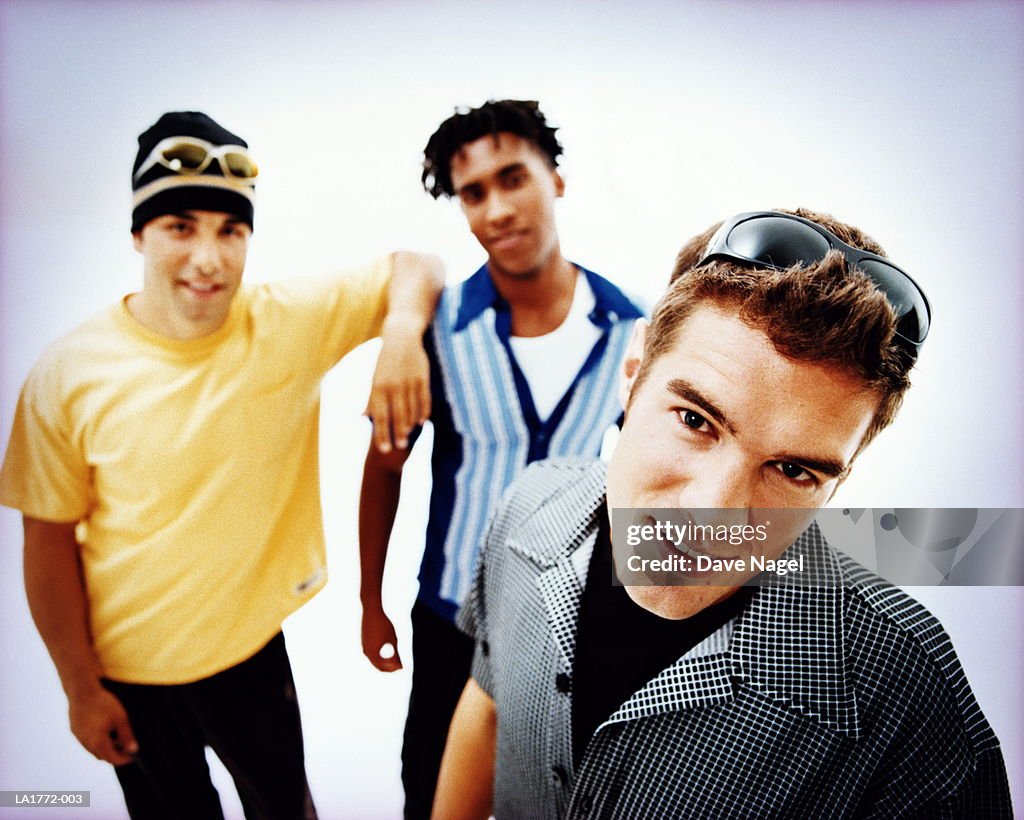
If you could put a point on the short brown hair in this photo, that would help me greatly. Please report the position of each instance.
(822, 313)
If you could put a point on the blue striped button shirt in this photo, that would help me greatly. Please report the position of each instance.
(486, 428)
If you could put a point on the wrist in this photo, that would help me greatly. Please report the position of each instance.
(403, 326)
(81, 685)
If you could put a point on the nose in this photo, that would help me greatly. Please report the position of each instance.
(206, 255)
(499, 207)
(718, 483)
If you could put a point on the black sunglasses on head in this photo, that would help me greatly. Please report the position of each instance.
(770, 239)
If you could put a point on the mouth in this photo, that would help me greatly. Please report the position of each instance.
(201, 290)
(508, 241)
(704, 560)
(693, 550)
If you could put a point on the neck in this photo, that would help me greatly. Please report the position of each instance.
(169, 324)
(540, 300)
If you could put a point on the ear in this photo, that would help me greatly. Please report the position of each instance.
(137, 240)
(632, 360)
(559, 184)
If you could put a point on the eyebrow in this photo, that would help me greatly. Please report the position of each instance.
(687, 392)
(511, 168)
(504, 171)
(829, 467)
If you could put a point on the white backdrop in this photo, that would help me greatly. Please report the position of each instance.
(905, 120)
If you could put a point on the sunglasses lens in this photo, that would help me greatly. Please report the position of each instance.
(777, 242)
(240, 165)
(912, 317)
(185, 156)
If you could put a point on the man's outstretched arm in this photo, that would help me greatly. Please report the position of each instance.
(465, 786)
(57, 600)
(378, 505)
(400, 396)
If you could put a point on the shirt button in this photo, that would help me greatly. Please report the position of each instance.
(485, 648)
(558, 775)
(563, 683)
(586, 803)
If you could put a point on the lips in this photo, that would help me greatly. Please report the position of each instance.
(693, 549)
(698, 549)
(201, 289)
(507, 241)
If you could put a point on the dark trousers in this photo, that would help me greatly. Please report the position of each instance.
(441, 659)
(247, 714)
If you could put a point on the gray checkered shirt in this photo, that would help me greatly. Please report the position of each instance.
(841, 699)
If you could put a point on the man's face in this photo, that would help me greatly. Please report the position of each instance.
(193, 264)
(507, 190)
(723, 421)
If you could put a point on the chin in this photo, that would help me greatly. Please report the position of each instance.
(517, 271)
(678, 602)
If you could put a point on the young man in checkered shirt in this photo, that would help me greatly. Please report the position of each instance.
(781, 348)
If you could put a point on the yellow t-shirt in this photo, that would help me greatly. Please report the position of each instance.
(193, 469)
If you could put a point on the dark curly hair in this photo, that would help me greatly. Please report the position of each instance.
(521, 117)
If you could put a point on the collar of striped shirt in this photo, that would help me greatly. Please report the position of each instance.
(479, 293)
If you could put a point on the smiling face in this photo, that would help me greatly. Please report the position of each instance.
(193, 264)
(507, 191)
(722, 421)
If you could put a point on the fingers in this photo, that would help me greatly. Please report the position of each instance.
(425, 406)
(395, 412)
(381, 417)
(105, 749)
(386, 658)
(401, 421)
(102, 727)
(123, 746)
(400, 395)
(380, 643)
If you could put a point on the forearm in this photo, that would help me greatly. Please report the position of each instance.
(56, 593)
(465, 786)
(378, 505)
(416, 283)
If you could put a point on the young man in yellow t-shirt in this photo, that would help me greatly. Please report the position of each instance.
(165, 458)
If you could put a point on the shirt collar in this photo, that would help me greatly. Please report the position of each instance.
(789, 642)
(478, 294)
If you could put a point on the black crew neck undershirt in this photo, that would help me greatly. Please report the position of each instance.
(620, 646)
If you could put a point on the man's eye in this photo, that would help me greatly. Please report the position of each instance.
(692, 419)
(793, 471)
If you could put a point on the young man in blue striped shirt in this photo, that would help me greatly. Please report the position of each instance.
(524, 356)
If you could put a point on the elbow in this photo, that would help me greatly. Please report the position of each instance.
(427, 266)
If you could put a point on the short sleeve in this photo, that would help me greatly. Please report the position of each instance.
(44, 474)
(357, 309)
(318, 320)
